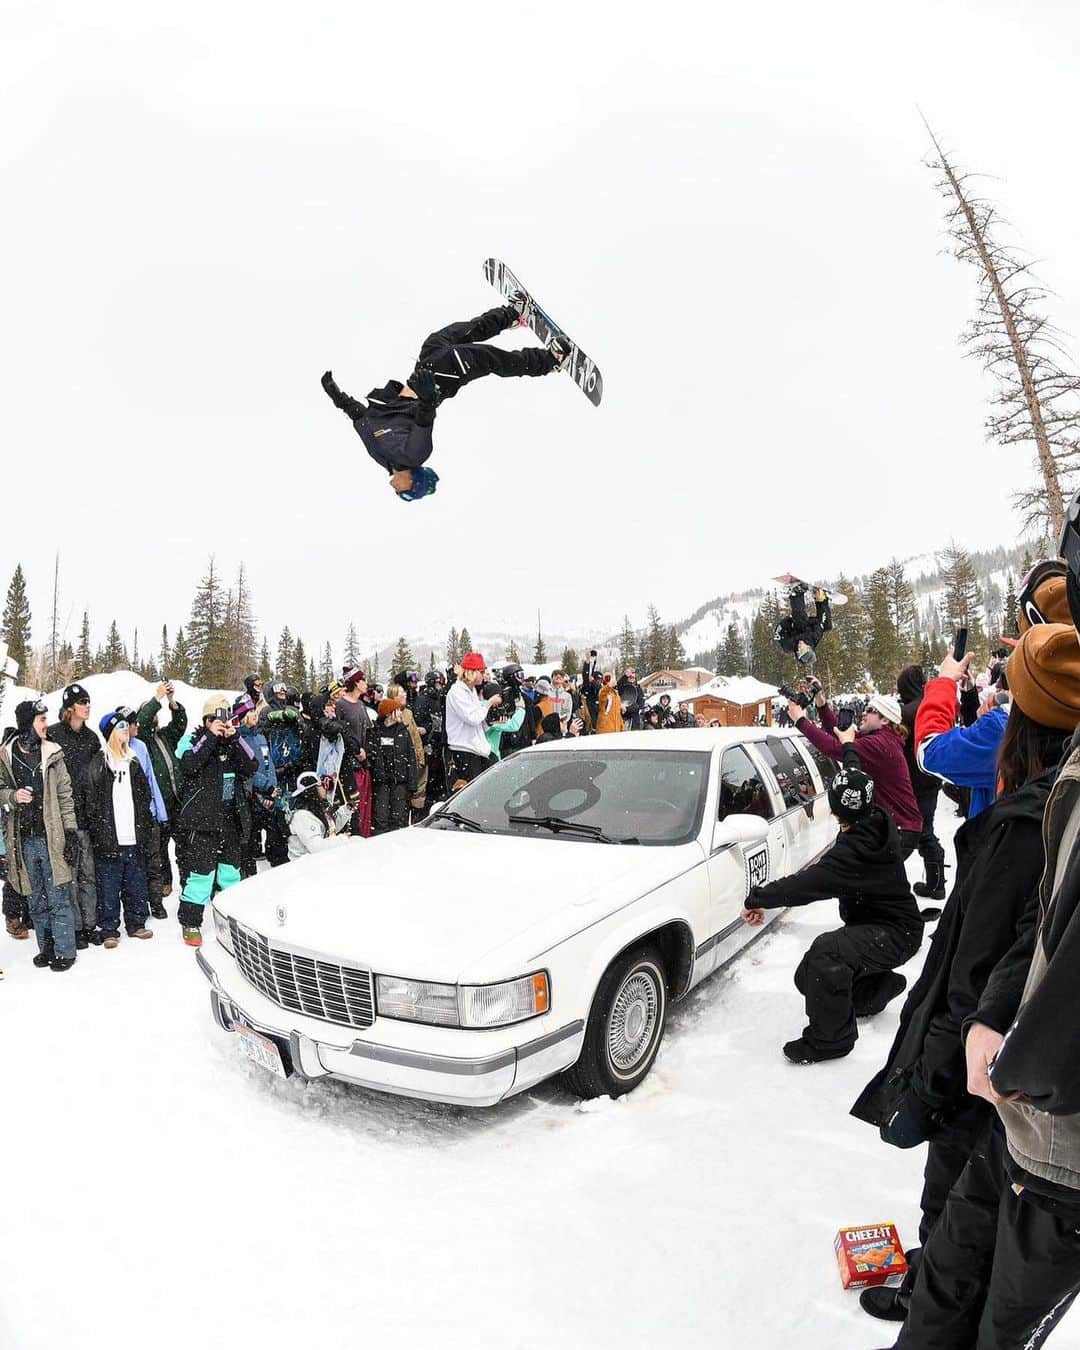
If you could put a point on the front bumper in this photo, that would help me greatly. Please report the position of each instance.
(318, 1050)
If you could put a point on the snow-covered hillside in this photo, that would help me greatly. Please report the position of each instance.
(119, 688)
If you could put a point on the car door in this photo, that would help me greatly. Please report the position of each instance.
(821, 829)
(799, 794)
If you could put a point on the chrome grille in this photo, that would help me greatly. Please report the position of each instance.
(305, 984)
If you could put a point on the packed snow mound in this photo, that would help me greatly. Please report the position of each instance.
(120, 688)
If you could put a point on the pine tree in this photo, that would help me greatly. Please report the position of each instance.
(1009, 625)
(115, 656)
(883, 653)
(765, 656)
(962, 602)
(298, 669)
(15, 626)
(206, 631)
(84, 656)
(674, 651)
(284, 662)
(265, 672)
(905, 616)
(180, 669)
(239, 637)
(403, 658)
(163, 652)
(464, 643)
(628, 648)
(453, 648)
(731, 658)
(312, 676)
(841, 655)
(135, 651)
(539, 655)
(351, 655)
(569, 661)
(513, 656)
(654, 642)
(326, 667)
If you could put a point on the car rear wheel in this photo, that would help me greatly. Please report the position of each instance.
(626, 1026)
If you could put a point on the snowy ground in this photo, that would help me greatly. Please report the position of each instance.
(161, 1191)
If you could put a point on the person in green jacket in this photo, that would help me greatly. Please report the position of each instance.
(162, 742)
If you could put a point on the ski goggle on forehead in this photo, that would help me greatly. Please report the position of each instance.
(39, 707)
(1040, 573)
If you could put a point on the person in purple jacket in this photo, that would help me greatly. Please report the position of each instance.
(880, 743)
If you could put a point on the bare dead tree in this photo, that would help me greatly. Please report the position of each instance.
(1038, 397)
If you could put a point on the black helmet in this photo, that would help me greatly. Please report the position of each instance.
(431, 679)
(513, 674)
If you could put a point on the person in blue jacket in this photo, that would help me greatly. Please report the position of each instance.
(264, 787)
(154, 880)
(966, 756)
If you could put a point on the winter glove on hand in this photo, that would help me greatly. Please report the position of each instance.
(71, 847)
(330, 386)
(911, 1122)
(422, 383)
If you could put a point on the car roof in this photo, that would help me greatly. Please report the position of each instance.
(690, 738)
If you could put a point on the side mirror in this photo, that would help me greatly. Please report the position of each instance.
(743, 830)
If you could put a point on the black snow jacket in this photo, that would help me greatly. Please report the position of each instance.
(390, 754)
(80, 749)
(1000, 857)
(863, 870)
(98, 804)
(396, 431)
(910, 686)
(204, 766)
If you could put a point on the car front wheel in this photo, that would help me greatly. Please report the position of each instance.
(626, 1026)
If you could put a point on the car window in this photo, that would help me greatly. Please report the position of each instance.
(794, 779)
(742, 790)
(825, 766)
(647, 796)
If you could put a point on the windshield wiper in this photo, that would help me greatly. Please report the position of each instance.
(458, 819)
(558, 825)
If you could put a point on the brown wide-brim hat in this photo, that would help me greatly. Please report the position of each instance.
(1053, 602)
(1043, 671)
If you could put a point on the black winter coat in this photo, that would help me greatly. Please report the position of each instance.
(863, 870)
(390, 754)
(999, 859)
(98, 804)
(204, 766)
(80, 749)
(396, 431)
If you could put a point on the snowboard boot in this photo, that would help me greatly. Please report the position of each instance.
(95, 937)
(801, 1052)
(158, 910)
(46, 954)
(884, 1302)
(873, 992)
(520, 301)
(81, 940)
(193, 937)
(61, 963)
(933, 888)
(560, 348)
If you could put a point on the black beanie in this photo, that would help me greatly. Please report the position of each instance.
(851, 794)
(25, 713)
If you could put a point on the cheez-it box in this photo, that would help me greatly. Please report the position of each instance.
(869, 1255)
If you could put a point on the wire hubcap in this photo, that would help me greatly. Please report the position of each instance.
(633, 1021)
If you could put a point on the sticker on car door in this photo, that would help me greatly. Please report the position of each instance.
(757, 868)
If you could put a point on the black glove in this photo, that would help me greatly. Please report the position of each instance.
(71, 847)
(911, 1122)
(422, 383)
(330, 386)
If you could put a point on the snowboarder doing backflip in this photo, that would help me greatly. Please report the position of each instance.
(396, 424)
(800, 634)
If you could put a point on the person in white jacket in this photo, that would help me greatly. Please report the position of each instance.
(311, 827)
(466, 720)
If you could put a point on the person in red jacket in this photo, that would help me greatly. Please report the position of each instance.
(880, 743)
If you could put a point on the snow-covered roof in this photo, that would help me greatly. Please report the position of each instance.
(740, 689)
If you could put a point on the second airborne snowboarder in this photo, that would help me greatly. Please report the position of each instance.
(396, 424)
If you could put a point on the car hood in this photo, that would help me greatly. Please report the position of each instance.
(432, 904)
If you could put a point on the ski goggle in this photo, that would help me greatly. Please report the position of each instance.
(39, 707)
(1042, 572)
(120, 726)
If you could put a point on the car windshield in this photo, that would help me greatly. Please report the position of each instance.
(617, 796)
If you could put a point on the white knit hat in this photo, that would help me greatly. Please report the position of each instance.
(887, 706)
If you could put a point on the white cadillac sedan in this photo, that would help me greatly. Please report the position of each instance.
(539, 922)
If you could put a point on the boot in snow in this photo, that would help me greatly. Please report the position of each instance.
(933, 888)
(158, 910)
(885, 1303)
(61, 963)
(17, 929)
(81, 940)
(193, 937)
(800, 1052)
(46, 954)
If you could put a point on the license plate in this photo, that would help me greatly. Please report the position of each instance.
(261, 1050)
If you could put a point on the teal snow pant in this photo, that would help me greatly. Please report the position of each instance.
(213, 862)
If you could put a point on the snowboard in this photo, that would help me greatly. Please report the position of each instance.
(837, 598)
(582, 369)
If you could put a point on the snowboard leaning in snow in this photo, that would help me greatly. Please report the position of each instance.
(837, 598)
(582, 368)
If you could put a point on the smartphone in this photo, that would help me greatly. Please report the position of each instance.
(959, 644)
(844, 718)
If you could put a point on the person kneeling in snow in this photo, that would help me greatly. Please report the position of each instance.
(396, 423)
(848, 973)
(312, 828)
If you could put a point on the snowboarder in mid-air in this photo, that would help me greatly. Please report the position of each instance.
(396, 424)
(800, 634)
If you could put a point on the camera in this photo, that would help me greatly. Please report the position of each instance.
(794, 696)
(844, 718)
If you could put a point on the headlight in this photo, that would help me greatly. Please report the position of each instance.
(221, 929)
(467, 1005)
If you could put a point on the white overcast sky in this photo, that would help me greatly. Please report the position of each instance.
(206, 205)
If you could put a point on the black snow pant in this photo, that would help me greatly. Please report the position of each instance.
(930, 849)
(456, 354)
(841, 967)
(465, 766)
(800, 627)
(1000, 1270)
(153, 865)
(213, 864)
(391, 810)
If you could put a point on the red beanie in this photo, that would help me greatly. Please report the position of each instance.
(473, 661)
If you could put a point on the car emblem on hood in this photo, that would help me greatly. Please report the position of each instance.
(282, 914)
